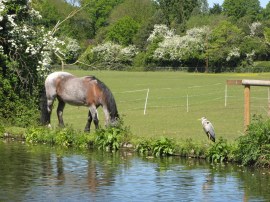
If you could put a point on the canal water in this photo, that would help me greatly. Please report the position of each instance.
(43, 173)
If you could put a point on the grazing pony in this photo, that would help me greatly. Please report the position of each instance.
(84, 91)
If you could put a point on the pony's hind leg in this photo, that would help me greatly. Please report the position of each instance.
(45, 116)
(60, 109)
(49, 110)
(96, 121)
(94, 114)
(88, 123)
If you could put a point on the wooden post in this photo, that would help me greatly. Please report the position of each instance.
(247, 106)
(247, 84)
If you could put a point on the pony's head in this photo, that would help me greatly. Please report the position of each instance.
(114, 121)
(109, 103)
(112, 109)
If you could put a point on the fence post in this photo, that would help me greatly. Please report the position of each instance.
(145, 104)
(247, 106)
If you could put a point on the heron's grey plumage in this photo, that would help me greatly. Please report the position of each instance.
(208, 128)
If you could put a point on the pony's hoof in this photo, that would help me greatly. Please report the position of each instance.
(87, 130)
(61, 126)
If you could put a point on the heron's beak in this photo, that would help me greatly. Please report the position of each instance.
(199, 119)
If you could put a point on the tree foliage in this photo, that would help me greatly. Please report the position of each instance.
(138, 10)
(176, 12)
(216, 9)
(25, 50)
(98, 12)
(266, 12)
(50, 10)
(241, 8)
(224, 39)
(123, 31)
(53, 11)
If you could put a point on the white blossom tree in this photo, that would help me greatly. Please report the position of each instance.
(109, 55)
(23, 38)
(179, 48)
(26, 50)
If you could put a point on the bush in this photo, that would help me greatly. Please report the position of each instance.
(139, 62)
(66, 137)
(163, 147)
(20, 110)
(40, 135)
(144, 147)
(189, 148)
(254, 147)
(2, 129)
(259, 67)
(219, 152)
(111, 138)
(158, 147)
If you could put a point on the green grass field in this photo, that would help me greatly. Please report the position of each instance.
(176, 101)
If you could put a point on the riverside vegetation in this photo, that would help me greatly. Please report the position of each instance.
(252, 149)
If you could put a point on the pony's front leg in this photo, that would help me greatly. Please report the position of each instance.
(94, 114)
(88, 123)
(60, 109)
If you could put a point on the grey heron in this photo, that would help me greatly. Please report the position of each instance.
(209, 129)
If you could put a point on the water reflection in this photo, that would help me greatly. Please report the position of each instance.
(39, 173)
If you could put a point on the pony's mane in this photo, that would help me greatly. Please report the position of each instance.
(108, 98)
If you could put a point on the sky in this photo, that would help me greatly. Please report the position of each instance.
(220, 2)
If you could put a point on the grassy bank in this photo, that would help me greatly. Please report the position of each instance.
(176, 101)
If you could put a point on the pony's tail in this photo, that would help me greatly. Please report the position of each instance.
(44, 114)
